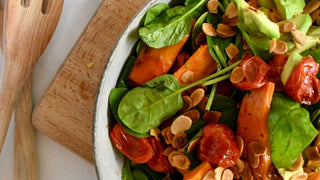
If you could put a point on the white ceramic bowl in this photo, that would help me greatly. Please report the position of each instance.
(108, 160)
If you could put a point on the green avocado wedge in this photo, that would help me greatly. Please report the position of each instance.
(289, 8)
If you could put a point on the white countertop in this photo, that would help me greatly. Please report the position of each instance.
(55, 162)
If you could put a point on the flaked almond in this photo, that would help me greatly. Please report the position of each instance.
(179, 160)
(227, 175)
(232, 51)
(179, 140)
(315, 14)
(208, 29)
(312, 153)
(197, 96)
(218, 172)
(212, 116)
(193, 144)
(191, 90)
(155, 132)
(187, 77)
(240, 143)
(299, 36)
(275, 16)
(210, 175)
(212, 6)
(231, 10)
(233, 60)
(203, 104)
(246, 173)
(278, 46)
(201, 39)
(187, 103)
(298, 164)
(299, 176)
(167, 135)
(312, 164)
(230, 21)
(236, 174)
(289, 26)
(182, 123)
(224, 30)
(256, 148)
(194, 115)
(239, 166)
(311, 6)
(237, 75)
(297, 44)
(168, 150)
(253, 160)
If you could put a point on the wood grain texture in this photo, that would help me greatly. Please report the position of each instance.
(25, 146)
(65, 112)
(27, 32)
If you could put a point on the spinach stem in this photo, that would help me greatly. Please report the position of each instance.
(211, 97)
(220, 56)
(216, 80)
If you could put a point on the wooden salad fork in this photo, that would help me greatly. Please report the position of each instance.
(28, 28)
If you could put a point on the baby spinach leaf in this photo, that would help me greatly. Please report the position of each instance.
(154, 12)
(230, 118)
(197, 29)
(124, 76)
(126, 171)
(195, 128)
(290, 130)
(139, 175)
(172, 25)
(145, 108)
(115, 97)
(151, 175)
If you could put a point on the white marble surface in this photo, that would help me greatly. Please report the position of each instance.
(55, 162)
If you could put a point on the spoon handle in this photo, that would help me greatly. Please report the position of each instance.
(25, 151)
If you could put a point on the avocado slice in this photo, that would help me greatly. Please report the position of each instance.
(293, 61)
(255, 21)
(269, 4)
(288, 8)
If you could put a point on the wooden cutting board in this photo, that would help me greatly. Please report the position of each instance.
(65, 111)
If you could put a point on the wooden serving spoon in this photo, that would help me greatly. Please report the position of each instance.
(28, 28)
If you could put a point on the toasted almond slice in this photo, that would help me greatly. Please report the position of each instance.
(179, 160)
(179, 140)
(237, 75)
(240, 143)
(227, 175)
(187, 77)
(278, 46)
(299, 36)
(197, 96)
(193, 144)
(155, 132)
(224, 30)
(246, 173)
(239, 166)
(167, 135)
(299, 163)
(315, 14)
(187, 103)
(212, 6)
(236, 174)
(312, 153)
(256, 148)
(230, 21)
(231, 10)
(168, 150)
(208, 29)
(212, 116)
(182, 123)
(289, 26)
(210, 175)
(194, 115)
(203, 104)
(232, 51)
(299, 176)
(311, 6)
(218, 172)
(253, 160)
(201, 39)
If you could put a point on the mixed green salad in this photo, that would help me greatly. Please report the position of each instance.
(222, 89)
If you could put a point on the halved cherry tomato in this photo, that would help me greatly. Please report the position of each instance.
(303, 85)
(158, 162)
(138, 150)
(276, 65)
(250, 74)
(218, 146)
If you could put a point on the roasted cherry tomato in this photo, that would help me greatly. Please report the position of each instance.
(158, 162)
(138, 150)
(250, 74)
(303, 85)
(276, 65)
(218, 146)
